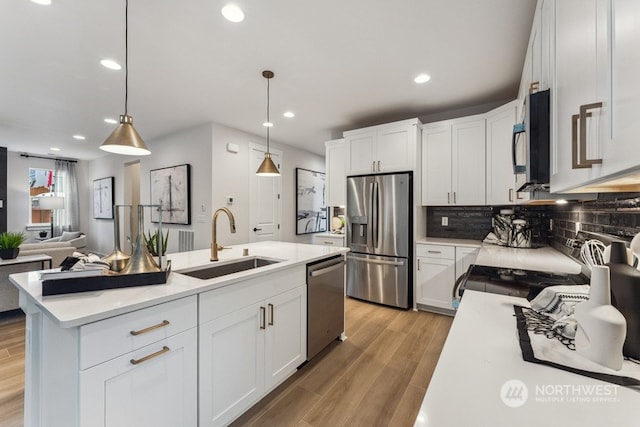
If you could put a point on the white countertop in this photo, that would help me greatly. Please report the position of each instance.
(545, 258)
(76, 309)
(449, 242)
(482, 353)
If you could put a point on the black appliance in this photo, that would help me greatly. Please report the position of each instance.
(535, 134)
(514, 282)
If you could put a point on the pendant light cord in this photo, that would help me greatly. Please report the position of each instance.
(126, 55)
(268, 120)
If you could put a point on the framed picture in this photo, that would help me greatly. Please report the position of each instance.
(103, 195)
(171, 189)
(311, 210)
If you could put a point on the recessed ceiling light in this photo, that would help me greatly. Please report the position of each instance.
(110, 121)
(233, 13)
(110, 64)
(422, 78)
(54, 149)
(42, 2)
(289, 114)
(80, 137)
(267, 124)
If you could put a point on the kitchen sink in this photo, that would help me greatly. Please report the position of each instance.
(218, 270)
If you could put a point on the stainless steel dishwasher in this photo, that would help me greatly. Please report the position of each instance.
(325, 303)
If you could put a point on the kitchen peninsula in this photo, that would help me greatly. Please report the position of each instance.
(188, 352)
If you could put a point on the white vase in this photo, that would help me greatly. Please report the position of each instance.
(602, 329)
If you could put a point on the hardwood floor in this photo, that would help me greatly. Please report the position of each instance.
(378, 377)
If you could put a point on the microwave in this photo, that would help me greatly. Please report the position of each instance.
(532, 139)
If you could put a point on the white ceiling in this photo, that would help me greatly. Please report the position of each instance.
(338, 64)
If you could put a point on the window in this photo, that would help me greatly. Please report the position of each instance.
(41, 181)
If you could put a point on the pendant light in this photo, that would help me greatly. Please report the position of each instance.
(267, 167)
(124, 139)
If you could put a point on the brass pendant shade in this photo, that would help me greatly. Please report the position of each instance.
(125, 139)
(267, 167)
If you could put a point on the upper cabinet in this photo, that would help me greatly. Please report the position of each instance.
(335, 167)
(384, 148)
(453, 162)
(595, 92)
(501, 180)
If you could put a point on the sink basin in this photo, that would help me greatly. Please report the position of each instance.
(217, 270)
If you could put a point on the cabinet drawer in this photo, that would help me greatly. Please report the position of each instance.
(436, 251)
(118, 335)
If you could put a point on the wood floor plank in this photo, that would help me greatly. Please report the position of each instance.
(427, 364)
(289, 410)
(408, 407)
(333, 365)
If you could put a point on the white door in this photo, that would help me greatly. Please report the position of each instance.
(468, 153)
(265, 200)
(436, 164)
(434, 282)
(360, 153)
(500, 177)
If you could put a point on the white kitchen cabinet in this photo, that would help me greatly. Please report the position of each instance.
(581, 102)
(251, 339)
(102, 374)
(390, 147)
(335, 168)
(453, 162)
(328, 239)
(438, 267)
(156, 385)
(501, 180)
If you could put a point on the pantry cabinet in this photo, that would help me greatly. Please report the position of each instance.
(453, 162)
(251, 339)
(390, 147)
(438, 267)
(335, 168)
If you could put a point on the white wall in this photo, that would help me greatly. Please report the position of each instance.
(215, 174)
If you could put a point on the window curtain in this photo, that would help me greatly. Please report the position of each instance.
(66, 185)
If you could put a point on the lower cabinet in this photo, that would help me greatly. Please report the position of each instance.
(245, 353)
(154, 386)
(438, 267)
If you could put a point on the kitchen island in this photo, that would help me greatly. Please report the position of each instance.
(185, 353)
(482, 355)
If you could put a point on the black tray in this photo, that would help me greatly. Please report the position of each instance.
(100, 283)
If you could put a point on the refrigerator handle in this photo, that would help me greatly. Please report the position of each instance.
(376, 214)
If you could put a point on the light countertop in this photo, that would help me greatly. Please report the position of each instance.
(545, 258)
(482, 353)
(76, 309)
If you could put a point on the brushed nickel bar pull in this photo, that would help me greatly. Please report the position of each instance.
(270, 314)
(150, 328)
(378, 165)
(418, 264)
(150, 356)
(448, 198)
(584, 162)
(373, 166)
(533, 87)
(454, 197)
(511, 194)
(434, 252)
(262, 318)
(575, 164)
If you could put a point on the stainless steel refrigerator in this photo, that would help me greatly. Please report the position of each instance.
(380, 236)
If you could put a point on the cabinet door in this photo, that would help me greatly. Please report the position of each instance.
(395, 148)
(500, 176)
(624, 151)
(436, 164)
(582, 78)
(159, 390)
(435, 280)
(468, 159)
(231, 364)
(286, 335)
(360, 153)
(336, 181)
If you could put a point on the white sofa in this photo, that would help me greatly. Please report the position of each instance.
(76, 238)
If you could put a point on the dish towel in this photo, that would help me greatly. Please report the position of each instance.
(557, 302)
(541, 344)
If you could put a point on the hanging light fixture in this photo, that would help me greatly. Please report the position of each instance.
(267, 167)
(124, 139)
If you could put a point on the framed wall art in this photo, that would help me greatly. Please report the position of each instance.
(171, 189)
(103, 195)
(311, 210)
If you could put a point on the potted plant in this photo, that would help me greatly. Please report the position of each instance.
(152, 242)
(10, 244)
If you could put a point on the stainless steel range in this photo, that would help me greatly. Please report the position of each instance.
(514, 282)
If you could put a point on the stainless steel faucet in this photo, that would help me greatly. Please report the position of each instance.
(214, 232)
